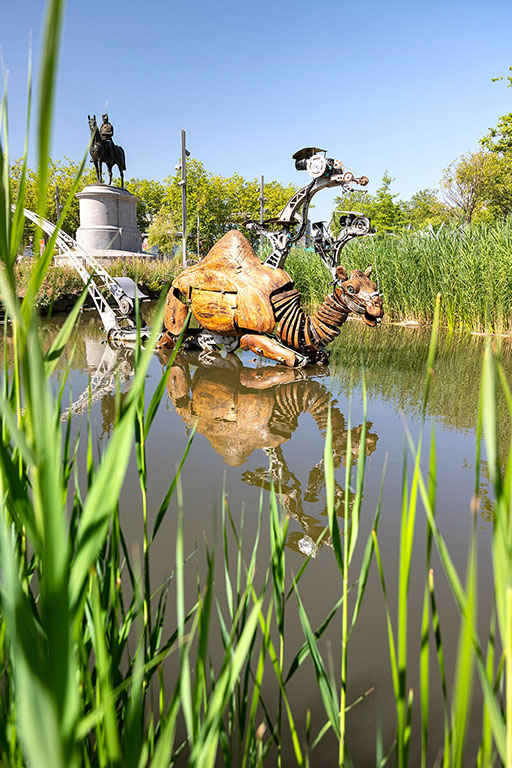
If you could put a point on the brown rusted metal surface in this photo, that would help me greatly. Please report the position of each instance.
(175, 314)
(235, 297)
(214, 310)
(267, 347)
(232, 266)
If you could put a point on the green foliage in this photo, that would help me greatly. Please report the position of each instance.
(507, 78)
(61, 282)
(163, 232)
(151, 194)
(499, 139)
(479, 186)
(222, 203)
(470, 268)
(425, 209)
(358, 200)
(385, 213)
(61, 174)
(84, 635)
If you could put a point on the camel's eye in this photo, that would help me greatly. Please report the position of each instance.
(350, 289)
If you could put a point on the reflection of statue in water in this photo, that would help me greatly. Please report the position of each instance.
(241, 409)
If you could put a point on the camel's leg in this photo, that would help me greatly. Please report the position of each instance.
(174, 319)
(273, 349)
(109, 175)
(122, 176)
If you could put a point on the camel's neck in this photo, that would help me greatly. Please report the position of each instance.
(296, 328)
(328, 319)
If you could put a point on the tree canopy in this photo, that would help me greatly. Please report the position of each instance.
(390, 214)
(220, 202)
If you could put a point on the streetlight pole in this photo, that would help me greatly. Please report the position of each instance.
(262, 209)
(57, 201)
(183, 184)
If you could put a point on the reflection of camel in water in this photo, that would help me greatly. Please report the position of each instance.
(241, 409)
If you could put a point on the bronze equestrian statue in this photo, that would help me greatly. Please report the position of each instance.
(103, 149)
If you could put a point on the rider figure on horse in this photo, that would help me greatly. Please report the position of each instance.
(106, 133)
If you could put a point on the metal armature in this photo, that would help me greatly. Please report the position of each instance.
(290, 225)
(353, 224)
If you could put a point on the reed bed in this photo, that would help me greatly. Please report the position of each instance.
(63, 282)
(86, 637)
(471, 268)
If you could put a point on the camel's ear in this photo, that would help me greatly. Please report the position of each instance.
(88, 117)
(94, 118)
(368, 271)
(341, 273)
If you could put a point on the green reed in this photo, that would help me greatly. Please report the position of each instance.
(470, 268)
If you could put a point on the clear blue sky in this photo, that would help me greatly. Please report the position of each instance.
(403, 86)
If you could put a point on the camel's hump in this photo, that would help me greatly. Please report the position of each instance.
(231, 265)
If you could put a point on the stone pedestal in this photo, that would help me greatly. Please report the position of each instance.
(108, 220)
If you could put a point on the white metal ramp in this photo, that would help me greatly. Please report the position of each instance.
(116, 320)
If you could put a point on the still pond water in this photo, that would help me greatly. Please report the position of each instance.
(258, 423)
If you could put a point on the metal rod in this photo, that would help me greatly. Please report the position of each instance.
(184, 196)
(262, 209)
(57, 201)
(198, 254)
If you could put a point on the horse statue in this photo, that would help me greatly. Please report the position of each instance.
(100, 154)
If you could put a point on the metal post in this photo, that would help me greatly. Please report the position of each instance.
(262, 209)
(183, 185)
(198, 254)
(57, 200)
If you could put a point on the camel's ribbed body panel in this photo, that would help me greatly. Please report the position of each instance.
(239, 302)
(297, 329)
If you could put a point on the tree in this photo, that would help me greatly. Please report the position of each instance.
(61, 174)
(504, 77)
(357, 200)
(221, 203)
(424, 209)
(385, 214)
(499, 139)
(464, 183)
(498, 187)
(479, 185)
(498, 142)
(150, 197)
(162, 231)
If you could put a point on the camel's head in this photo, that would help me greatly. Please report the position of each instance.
(359, 294)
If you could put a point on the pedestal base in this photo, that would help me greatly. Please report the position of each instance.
(108, 220)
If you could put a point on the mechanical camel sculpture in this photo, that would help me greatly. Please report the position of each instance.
(239, 301)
